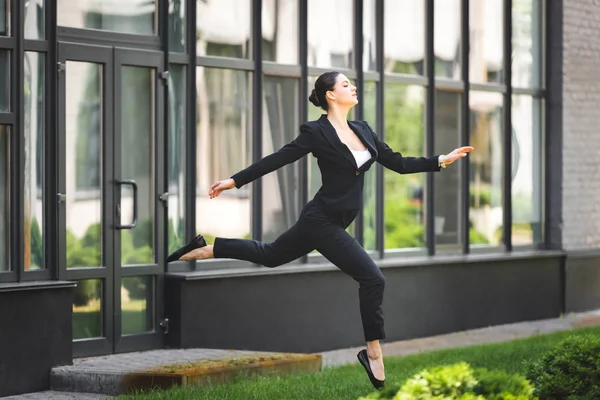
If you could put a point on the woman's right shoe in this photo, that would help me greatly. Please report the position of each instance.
(364, 360)
(195, 243)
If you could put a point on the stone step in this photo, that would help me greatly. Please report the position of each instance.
(124, 373)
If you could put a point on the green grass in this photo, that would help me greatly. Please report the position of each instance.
(350, 382)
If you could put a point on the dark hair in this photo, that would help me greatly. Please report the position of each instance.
(324, 83)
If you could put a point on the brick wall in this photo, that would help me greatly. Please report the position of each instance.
(581, 124)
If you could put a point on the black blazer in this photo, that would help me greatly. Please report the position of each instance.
(342, 180)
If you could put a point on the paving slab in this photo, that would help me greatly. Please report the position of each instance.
(492, 334)
(161, 369)
(52, 395)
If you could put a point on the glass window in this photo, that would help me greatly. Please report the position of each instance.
(177, 24)
(526, 43)
(5, 77)
(176, 157)
(369, 36)
(369, 99)
(527, 186)
(5, 17)
(136, 304)
(280, 31)
(486, 48)
(87, 309)
(34, 66)
(447, 183)
(404, 36)
(330, 33)
(280, 205)
(447, 40)
(125, 16)
(404, 198)
(4, 198)
(223, 28)
(83, 163)
(34, 19)
(485, 181)
(224, 147)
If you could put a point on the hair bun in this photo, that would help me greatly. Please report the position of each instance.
(313, 98)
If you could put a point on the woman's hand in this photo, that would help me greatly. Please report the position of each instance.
(218, 187)
(461, 152)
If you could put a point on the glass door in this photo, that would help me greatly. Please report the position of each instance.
(139, 213)
(110, 215)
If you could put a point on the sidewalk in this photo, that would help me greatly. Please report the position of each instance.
(501, 333)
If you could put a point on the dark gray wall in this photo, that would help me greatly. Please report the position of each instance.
(317, 311)
(582, 281)
(35, 335)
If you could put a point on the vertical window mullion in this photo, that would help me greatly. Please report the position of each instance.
(465, 125)
(190, 137)
(360, 83)
(17, 141)
(257, 95)
(380, 105)
(429, 123)
(303, 96)
(507, 128)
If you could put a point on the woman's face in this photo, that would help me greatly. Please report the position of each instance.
(344, 92)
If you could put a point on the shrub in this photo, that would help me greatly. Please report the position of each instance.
(459, 382)
(569, 371)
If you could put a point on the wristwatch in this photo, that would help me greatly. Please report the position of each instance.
(441, 159)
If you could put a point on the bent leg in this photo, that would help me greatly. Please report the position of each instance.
(292, 244)
(343, 250)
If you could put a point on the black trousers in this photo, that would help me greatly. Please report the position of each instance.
(324, 231)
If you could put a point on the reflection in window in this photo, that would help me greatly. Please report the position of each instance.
(280, 126)
(404, 36)
(137, 162)
(369, 99)
(136, 298)
(486, 43)
(485, 197)
(404, 207)
(526, 170)
(83, 163)
(177, 23)
(125, 16)
(447, 200)
(87, 309)
(330, 33)
(280, 31)
(4, 17)
(176, 156)
(4, 198)
(34, 64)
(369, 36)
(5, 77)
(223, 28)
(526, 43)
(34, 19)
(446, 36)
(224, 147)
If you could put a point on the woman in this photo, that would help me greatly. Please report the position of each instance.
(345, 150)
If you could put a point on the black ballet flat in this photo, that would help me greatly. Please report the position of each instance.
(364, 360)
(195, 243)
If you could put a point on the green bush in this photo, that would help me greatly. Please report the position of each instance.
(459, 382)
(570, 371)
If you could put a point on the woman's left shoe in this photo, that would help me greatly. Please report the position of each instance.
(195, 243)
(364, 360)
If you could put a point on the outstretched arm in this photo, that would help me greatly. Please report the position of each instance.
(409, 165)
(289, 153)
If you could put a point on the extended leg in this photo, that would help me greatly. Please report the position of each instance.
(344, 251)
(291, 245)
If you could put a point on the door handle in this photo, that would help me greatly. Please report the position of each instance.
(128, 182)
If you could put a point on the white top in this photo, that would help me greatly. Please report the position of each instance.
(361, 156)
